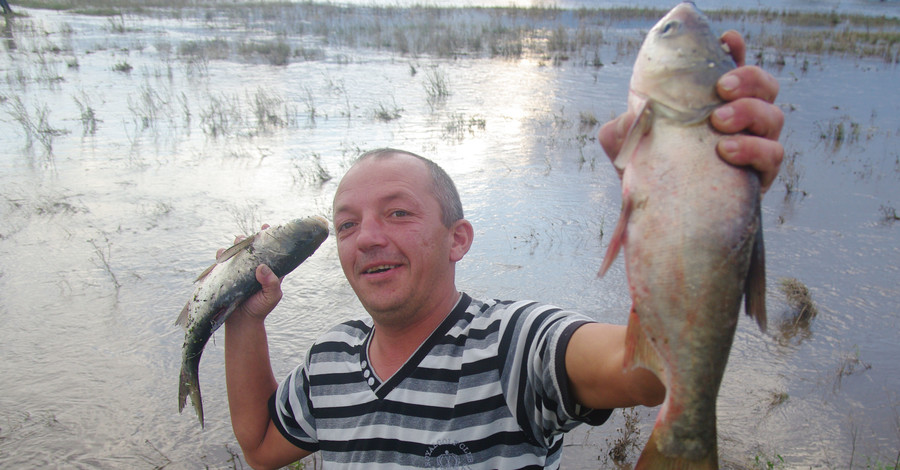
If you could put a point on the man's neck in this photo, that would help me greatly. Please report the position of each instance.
(392, 346)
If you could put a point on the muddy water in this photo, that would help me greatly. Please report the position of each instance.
(104, 228)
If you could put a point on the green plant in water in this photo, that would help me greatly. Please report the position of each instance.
(777, 461)
(437, 87)
(123, 67)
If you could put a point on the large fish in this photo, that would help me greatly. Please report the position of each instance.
(231, 280)
(691, 231)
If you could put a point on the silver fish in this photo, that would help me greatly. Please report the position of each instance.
(231, 280)
(692, 235)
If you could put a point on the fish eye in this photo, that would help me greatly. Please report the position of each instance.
(670, 27)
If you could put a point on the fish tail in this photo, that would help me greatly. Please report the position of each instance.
(189, 384)
(652, 458)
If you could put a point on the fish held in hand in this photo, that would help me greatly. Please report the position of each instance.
(231, 280)
(691, 232)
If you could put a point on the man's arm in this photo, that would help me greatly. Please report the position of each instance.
(594, 362)
(250, 381)
(596, 352)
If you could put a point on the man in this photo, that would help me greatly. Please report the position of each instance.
(435, 378)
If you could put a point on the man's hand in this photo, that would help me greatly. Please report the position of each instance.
(749, 116)
(263, 302)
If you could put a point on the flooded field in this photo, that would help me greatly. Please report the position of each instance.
(134, 144)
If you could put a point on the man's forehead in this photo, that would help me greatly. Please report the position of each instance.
(387, 177)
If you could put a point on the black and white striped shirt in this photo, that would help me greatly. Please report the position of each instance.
(487, 389)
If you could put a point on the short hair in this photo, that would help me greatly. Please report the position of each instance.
(443, 188)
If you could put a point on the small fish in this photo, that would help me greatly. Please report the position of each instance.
(231, 280)
(691, 232)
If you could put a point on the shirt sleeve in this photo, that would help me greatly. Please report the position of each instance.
(533, 343)
(291, 410)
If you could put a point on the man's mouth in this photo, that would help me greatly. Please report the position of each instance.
(380, 269)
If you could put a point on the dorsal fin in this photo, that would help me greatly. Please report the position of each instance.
(236, 248)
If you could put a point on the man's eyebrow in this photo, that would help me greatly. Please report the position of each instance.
(385, 199)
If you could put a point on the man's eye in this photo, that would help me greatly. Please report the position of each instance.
(400, 213)
(345, 226)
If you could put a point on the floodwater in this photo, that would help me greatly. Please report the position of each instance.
(128, 160)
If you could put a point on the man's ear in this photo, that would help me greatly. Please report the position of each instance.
(462, 234)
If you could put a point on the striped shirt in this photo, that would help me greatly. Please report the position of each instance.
(487, 389)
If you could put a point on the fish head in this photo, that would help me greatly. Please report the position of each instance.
(297, 239)
(680, 61)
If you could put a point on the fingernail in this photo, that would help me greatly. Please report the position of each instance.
(724, 113)
(729, 82)
(728, 147)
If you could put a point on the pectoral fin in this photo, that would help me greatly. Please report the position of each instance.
(618, 238)
(641, 125)
(219, 318)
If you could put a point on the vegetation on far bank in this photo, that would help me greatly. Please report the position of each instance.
(556, 35)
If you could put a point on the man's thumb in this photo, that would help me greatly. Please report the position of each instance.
(271, 284)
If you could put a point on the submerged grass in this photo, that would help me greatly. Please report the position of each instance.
(36, 125)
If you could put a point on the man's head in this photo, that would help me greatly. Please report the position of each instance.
(400, 232)
(443, 188)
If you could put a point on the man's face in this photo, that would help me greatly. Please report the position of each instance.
(393, 247)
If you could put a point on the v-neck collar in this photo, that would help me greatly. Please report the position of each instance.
(383, 388)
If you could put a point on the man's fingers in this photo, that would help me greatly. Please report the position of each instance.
(763, 155)
(613, 133)
(736, 46)
(749, 115)
(748, 81)
(263, 302)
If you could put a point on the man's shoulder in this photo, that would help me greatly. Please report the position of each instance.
(500, 308)
(520, 313)
(350, 333)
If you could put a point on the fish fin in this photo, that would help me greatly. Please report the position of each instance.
(236, 248)
(618, 238)
(219, 317)
(206, 272)
(755, 285)
(639, 128)
(638, 350)
(228, 254)
(652, 458)
(183, 316)
(189, 385)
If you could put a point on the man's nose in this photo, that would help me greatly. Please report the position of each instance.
(371, 234)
